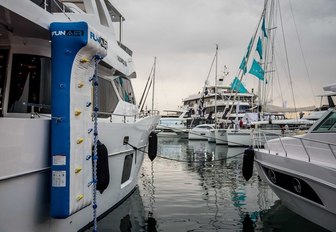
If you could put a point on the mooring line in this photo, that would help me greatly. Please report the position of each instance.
(187, 161)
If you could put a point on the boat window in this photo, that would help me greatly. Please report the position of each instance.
(107, 98)
(127, 168)
(30, 84)
(125, 89)
(3, 68)
(328, 124)
(114, 13)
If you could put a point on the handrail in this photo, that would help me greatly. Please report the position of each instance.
(280, 137)
(140, 115)
(307, 139)
(52, 6)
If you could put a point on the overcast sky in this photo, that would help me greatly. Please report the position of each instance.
(182, 34)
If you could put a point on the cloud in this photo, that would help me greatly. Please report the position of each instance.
(182, 34)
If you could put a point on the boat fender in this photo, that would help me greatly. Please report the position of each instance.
(103, 173)
(152, 146)
(248, 163)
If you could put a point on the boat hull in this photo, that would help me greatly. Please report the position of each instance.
(239, 138)
(314, 199)
(198, 135)
(212, 136)
(25, 176)
(221, 136)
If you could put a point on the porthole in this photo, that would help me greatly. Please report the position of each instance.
(271, 176)
(297, 185)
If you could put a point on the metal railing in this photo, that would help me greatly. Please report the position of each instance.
(126, 116)
(258, 143)
(52, 6)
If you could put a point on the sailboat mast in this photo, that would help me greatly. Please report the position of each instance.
(241, 72)
(262, 84)
(153, 84)
(216, 89)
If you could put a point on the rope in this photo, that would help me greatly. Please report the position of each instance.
(187, 161)
(95, 141)
(303, 57)
(287, 60)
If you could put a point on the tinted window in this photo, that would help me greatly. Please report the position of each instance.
(30, 84)
(3, 68)
(328, 124)
(108, 99)
(127, 168)
(125, 89)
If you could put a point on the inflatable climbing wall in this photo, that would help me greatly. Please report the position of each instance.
(74, 47)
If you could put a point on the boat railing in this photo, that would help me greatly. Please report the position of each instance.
(147, 113)
(260, 141)
(34, 106)
(127, 116)
(56, 6)
(52, 6)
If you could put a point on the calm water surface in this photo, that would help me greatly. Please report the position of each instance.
(198, 186)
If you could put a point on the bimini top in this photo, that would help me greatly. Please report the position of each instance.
(330, 87)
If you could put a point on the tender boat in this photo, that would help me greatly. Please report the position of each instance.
(65, 89)
(200, 132)
(301, 170)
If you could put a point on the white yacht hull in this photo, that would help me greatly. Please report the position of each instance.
(25, 175)
(301, 170)
(239, 138)
(198, 135)
(30, 149)
(200, 132)
(221, 136)
(212, 136)
(321, 180)
(250, 137)
(183, 134)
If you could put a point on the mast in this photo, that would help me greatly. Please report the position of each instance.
(262, 84)
(153, 84)
(240, 74)
(216, 89)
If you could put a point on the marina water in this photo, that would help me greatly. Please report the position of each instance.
(198, 186)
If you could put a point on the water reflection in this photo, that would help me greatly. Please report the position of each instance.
(223, 190)
(198, 186)
(129, 216)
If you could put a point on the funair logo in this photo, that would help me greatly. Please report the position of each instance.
(99, 40)
(68, 33)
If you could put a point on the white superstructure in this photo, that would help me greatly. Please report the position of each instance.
(28, 149)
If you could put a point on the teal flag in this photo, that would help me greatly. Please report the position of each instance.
(259, 48)
(257, 70)
(249, 48)
(238, 86)
(243, 66)
(263, 27)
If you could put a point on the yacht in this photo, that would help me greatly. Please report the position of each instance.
(222, 102)
(201, 132)
(172, 123)
(301, 170)
(272, 126)
(72, 139)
